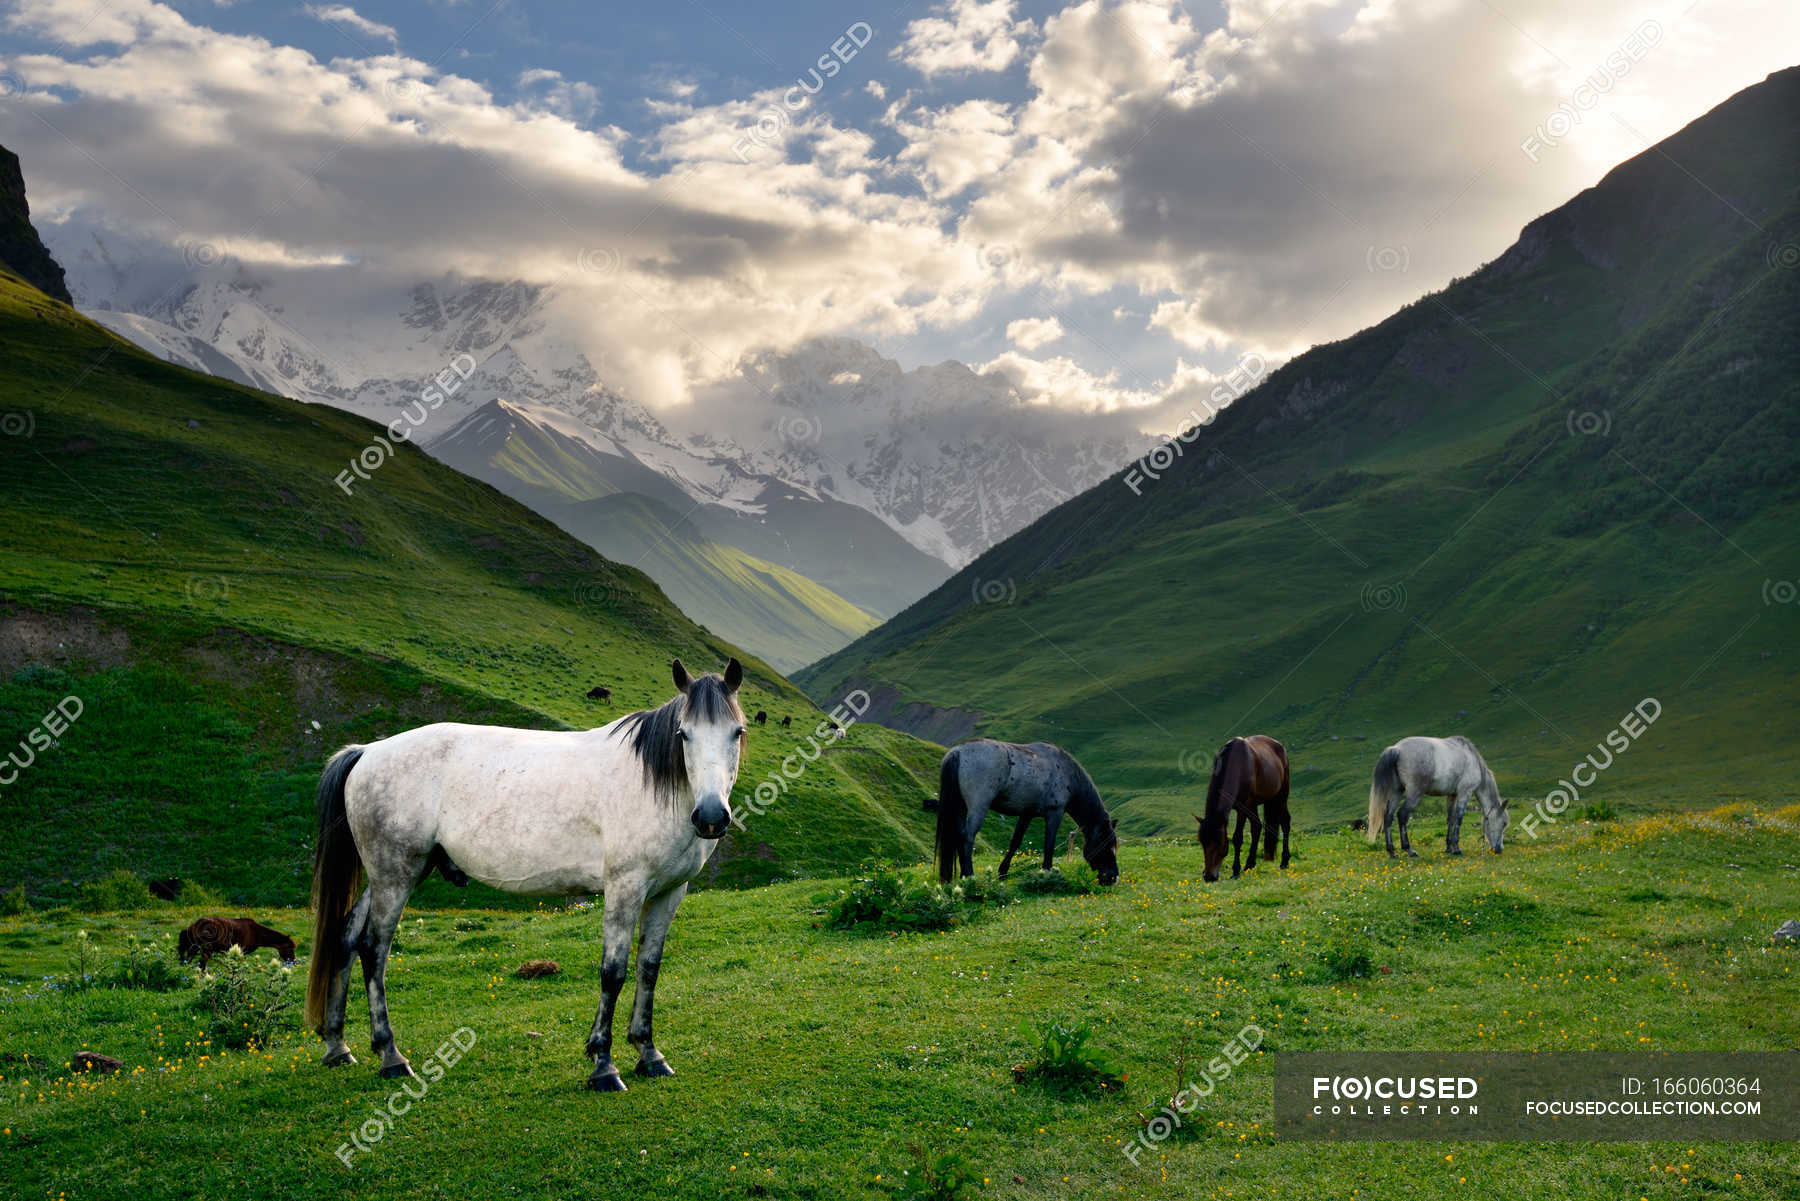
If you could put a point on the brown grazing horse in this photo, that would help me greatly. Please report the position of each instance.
(1246, 772)
(216, 935)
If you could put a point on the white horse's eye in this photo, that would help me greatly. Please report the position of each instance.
(686, 736)
(738, 733)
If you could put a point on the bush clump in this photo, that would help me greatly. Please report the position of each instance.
(246, 999)
(888, 901)
(149, 964)
(110, 894)
(1066, 1063)
(938, 1176)
(1077, 881)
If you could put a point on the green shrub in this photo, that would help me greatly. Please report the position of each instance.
(200, 896)
(1065, 1062)
(149, 964)
(888, 901)
(1347, 961)
(13, 902)
(985, 889)
(121, 890)
(1600, 811)
(938, 1176)
(1077, 881)
(246, 999)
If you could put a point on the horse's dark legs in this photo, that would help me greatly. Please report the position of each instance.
(1017, 839)
(1237, 846)
(386, 901)
(657, 916)
(333, 1032)
(1282, 815)
(1052, 819)
(1406, 812)
(1387, 824)
(1459, 805)
(966, 856)
(624, 906)
(1256, 829)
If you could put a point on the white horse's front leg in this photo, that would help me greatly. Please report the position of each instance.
(1459, 805)
(624, 902)
(657, 916)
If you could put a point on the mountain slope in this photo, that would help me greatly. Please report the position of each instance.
(178, 557)
(1513, 510)
(787, 618)
(549, 459)
(550, 462)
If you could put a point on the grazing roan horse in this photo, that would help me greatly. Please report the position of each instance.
(211, 936)
(1417, 767)
(1247, 772)
(633, 809)
(1022, 781)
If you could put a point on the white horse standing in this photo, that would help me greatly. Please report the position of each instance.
(1417, 767)
(633, 809)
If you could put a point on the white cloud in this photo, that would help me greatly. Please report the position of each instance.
(343, 14)
(1030, 333)
(572, 99)
(1282, 180)
(971, 36)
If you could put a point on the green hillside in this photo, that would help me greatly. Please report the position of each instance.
(177, 554)
(794, 581)
(1512, 510)
(789, 618)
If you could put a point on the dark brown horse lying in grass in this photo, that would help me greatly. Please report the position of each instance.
(216, 935)
(1247, 772)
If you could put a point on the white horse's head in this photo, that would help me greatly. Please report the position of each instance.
(711, 729)
(1494, 818)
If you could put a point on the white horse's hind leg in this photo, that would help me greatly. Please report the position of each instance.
(657, 916)
(1407, 806)
(386, 900)
(624, 905)
(336, 1052)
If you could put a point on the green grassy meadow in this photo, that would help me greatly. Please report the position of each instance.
(810, 1059)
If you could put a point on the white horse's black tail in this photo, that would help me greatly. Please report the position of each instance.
(337, 874)
(1387, 779)
(952, 811)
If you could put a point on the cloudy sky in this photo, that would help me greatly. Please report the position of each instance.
(1109, 202)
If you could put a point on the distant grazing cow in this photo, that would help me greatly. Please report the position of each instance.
(216, 935)
(761, 717)
(165, 890)
(598, 693)
(786, 722)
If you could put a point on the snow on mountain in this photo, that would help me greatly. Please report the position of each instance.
(184, 349)
(951, 460)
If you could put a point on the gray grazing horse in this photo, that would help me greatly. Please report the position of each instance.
(1034, 780)
(632, 809)
(1417, 767)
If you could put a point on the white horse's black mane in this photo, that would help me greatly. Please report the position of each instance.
(656, 733)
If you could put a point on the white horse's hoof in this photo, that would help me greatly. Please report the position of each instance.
(608, 1081)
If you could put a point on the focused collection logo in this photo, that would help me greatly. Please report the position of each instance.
(1394, 1096)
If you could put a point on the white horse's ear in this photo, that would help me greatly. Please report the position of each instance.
(682, 679)
(734, 675)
